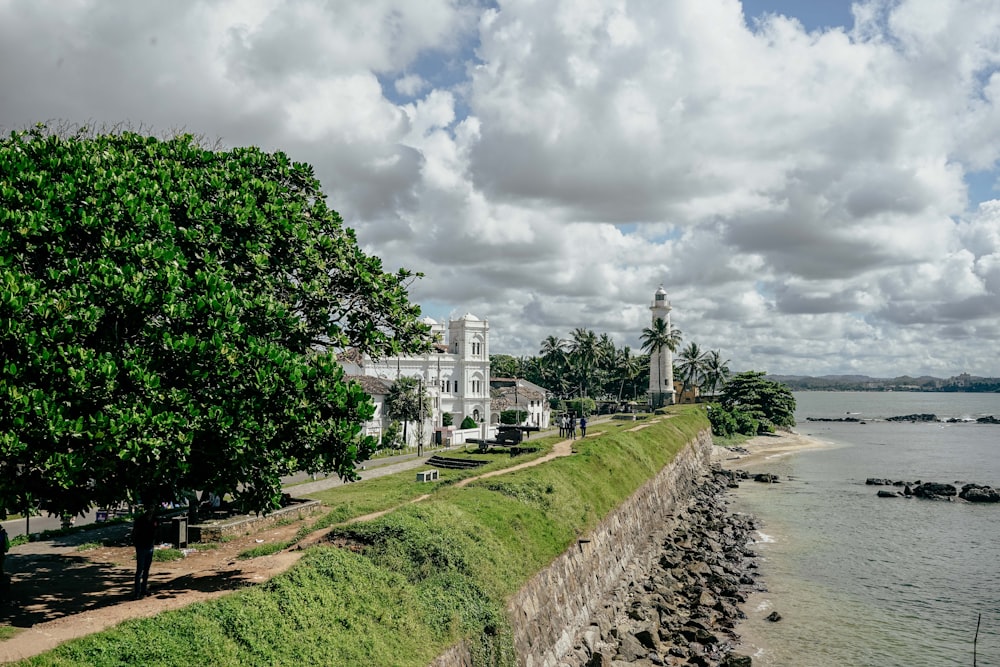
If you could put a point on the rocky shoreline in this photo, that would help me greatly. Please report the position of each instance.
(684, 611)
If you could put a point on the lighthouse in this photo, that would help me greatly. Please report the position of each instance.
(661, 361)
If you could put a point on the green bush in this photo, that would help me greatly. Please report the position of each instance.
(513, 416)
(723, 422)
(582, 406)
(447, 419)
(469, 422)
(392, 436)
(745, 423)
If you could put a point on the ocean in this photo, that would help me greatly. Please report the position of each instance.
(860, 580)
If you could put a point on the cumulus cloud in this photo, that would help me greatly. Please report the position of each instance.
(802, 195)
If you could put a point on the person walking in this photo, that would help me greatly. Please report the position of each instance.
(583, 426)
(144, 538)
(4, 548)
(562, 426)
(572, 427)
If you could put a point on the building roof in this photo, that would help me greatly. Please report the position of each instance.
(373, 386)
(351, 354)
(469, 317)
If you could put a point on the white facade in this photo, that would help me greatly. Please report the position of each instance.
(661, 362)
(519, 394)
(455, 373)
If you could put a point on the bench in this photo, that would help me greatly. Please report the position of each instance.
(427, 476)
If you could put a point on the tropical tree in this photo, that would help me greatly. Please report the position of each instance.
(554, 363)
(584, 353)
(770, 403)
(656, 338)
(407, 401)
(503, 365)
(628, 368)
(716, 371)
(168, 319)
(691, 364)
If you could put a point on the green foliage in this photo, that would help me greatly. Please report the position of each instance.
(727, 423)
(469, 422)
(447, 419)
(722, 420)
(582, 406)
(769, 403)
(167, 316)
(392, 436)
(262, 550)
(513, 416)
(165, 555)
(503, 366)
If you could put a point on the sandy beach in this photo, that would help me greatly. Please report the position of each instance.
(766, 448)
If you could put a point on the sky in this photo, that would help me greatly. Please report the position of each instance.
(813, 183)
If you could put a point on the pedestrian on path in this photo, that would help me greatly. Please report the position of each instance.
(4, 548)
(583, 426)
(572, 427)
(144, 539)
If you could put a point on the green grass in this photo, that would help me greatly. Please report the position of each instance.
(6, 632)
(263, 550)
(164, 555)
(87, 546)
(406, 586)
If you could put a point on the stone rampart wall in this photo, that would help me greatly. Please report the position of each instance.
(558, 602)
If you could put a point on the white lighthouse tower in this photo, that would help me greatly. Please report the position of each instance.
(661, 362)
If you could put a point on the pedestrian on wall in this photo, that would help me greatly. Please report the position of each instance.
(583, 426)
(143, 537)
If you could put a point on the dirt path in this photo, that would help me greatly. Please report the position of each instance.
(63, 593)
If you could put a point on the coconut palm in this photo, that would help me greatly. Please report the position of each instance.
(553, 361)
(628, 368)
(584, 353)
(691, 365)
(658, 337)
(716, 371)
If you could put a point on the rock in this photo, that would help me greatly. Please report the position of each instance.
(933, 490)
(599, 660)
(975, 493)
(646, 638)
(631, 648)
(766, 478)
(734, 660)
(883, 493)
(878, 481)
(924, 417)
(774, 617)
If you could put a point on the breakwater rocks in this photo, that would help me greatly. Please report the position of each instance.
(914, 419)
(685, 610)
(973, 493)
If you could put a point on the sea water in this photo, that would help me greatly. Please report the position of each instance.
(862, 580)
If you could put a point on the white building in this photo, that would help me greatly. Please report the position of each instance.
(455, 374)
(661, 362)
(519, 394)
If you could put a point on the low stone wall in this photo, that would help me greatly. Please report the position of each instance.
(214, 531)
(549, 610)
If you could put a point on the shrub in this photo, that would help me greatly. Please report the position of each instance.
(447, 419)
(582, 406)
(723, 422)
(392, 436)
(745, 423)
(469, 422)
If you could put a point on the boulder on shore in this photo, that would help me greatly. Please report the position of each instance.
(932, 490)
(976, 493)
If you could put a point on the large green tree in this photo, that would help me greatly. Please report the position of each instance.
(770, 403)
(168, 318)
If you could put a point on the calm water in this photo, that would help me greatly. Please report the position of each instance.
(861, 580)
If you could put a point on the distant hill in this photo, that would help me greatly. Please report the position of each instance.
(963, 382)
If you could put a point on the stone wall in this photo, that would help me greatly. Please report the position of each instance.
(558, 602)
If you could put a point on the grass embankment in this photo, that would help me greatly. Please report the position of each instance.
(400, 589)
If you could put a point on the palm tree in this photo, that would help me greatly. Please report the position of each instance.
(584, 353)
(656, 338)
(553, 360)
(691, 364)
(628, 368)
(716, 371)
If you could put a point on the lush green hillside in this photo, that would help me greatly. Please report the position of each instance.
(400, 589)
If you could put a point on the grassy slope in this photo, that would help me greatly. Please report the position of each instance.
(413, 582)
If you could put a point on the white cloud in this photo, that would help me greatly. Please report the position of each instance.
(801, 195)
